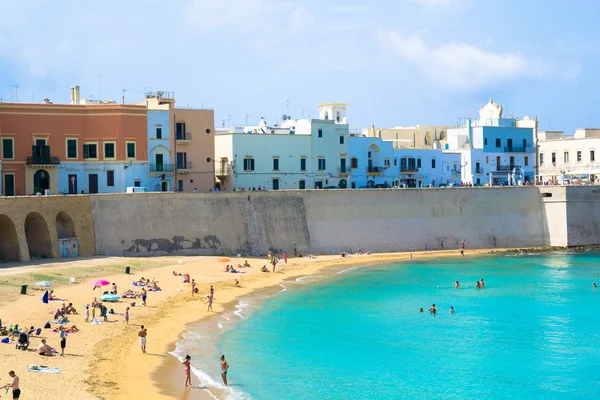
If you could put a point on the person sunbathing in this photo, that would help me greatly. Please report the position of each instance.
(265, 269)
(72, 329)
(227, 268)
(246, 264)
(232, 270)
(45, 350)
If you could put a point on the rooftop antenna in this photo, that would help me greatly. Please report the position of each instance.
(14, 93)
(229, 119)
(123, 97)
(287, 107)
(247, 115)
(99, 88)
(223, 122)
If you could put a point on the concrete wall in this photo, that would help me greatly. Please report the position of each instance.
(317, 221)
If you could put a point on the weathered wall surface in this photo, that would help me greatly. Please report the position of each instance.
(394, 220)
(15, 233)
(322, 221)
(195, 223)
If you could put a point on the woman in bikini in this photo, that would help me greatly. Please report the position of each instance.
(188, 378)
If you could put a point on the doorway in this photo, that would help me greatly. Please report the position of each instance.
(41, 181)
(72, 184)
(93, 181)
(164, 186)
(275, 183)
(9, 185)
(159, 159)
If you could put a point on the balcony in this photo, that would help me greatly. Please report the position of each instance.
(161, 169)
(514, 149)
(506, 168)
(478, 171)
(43, 160)
(183, 137)
(222, 171)
(184, 168)
(410, 169)
(374, 171)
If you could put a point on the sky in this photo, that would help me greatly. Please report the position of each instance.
(395, 62)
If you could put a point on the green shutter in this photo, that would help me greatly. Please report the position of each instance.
(7, 149)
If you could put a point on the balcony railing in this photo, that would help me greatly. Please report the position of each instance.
(42, 160)
(222, 171)
(408, 169)
(516, 149)
(478, 170)
(507, 168)
(344, 170)
(375, 170)
(183, 136)
(161, 168)
(185, 165)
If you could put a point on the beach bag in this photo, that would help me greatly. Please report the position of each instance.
(6, 340)
(47, 326)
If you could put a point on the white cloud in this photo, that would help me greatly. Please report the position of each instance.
(464, 66)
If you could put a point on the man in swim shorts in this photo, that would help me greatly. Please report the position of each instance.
(224, 368)
(142, 334)
(432, 309)
(16, 392)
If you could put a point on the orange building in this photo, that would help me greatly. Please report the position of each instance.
(66, 148)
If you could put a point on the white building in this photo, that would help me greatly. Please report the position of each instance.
(569, 159)
(494, 149)
(299, 154)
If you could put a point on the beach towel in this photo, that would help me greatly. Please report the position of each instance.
(45, 370)
(59, 323)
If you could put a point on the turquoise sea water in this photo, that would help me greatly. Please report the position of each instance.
(532, 333)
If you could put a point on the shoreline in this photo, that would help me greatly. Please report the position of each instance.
(167, 375)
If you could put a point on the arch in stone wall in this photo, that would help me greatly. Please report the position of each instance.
(9, 241)
(38, 236)
(64, 226)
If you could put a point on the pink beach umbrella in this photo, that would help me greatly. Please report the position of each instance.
(100, 282)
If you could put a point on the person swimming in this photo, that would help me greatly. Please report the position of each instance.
(594, 285)
(482, 283)
(432, 309)
(421, 309)
(451, 310)
(478, 285)
(456, 285)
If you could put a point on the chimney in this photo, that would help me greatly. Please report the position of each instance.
(72, 97)
(77, 99)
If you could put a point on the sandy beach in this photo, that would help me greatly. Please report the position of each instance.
(105, 361)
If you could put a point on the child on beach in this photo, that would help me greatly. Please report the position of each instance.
(87, 313)
(127, 315)
(188, 378)
(93, 313)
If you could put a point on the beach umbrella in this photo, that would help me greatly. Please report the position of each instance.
(110, 297)
(224, 259)
(101, 282)
(44, 284)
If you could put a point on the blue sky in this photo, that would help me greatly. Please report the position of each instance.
(396, 62)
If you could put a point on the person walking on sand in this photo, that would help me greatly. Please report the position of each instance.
(63, 340)
(16, 391)
(193, 287)
(144, 296)
(127, 315)
(188, 378)
(295, 250)
(442, 245)
(285, 257)
(143, 333)
(209, 300)
(224, 368)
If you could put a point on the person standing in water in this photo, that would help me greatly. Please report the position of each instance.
(432, 309)
(224, 368)
(451, 310)
(482, 283)
(456, 285)
(188, 378)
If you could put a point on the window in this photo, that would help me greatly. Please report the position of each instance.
(487, 159)
(321, 162)
(303, 164)
(554, 158)
(418, 163)
(395, 161)
(341, 140)
(526, 161)
(159, 132)
(542, 159)
(248, 164)
(130, 146)
(71, 148)
(109, 150)
(498, 142)
(592, 155)
(386, 162)
(40, 142)
(566, 157)
(354, 162)
(320, 133)
(524, 143)
(8, 151)
(276, 164)
(579, 156)
(485, 141)
(110, 178)
(301, 184)
(433, 163)
(90, 150)
(137, 183)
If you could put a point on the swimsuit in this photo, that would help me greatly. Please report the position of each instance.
(16, 393)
